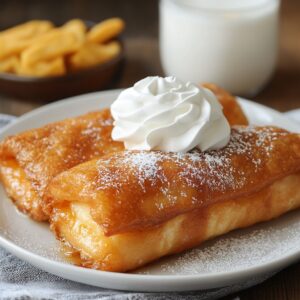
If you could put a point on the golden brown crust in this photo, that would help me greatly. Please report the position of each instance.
(20, 190)
(42, 153)
(74, 225)
(231, 107)
(28, 161)
(134, 190)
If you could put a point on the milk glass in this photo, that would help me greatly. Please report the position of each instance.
(232, 43)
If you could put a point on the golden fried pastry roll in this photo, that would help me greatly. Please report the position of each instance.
(28, 161)
(129, 208)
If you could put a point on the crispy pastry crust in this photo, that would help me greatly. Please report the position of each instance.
(135, 190)
(28, 161)
(74, 225)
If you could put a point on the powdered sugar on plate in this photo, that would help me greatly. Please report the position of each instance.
(239, 166)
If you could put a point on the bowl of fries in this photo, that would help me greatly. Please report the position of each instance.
(41, 61)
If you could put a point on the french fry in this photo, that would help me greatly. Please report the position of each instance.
(56, 43)
(52, 67)
(15, 40)
(106, 30)
(27, 30)
(9, 64)
(37, 48)
(76, 26)
(91, 54)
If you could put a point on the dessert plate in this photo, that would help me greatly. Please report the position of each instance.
(228, 260)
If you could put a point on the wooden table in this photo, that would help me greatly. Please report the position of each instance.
(282, 93)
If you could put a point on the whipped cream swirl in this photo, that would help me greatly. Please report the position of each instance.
(169, 115)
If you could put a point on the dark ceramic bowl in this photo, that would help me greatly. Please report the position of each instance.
(58, 87)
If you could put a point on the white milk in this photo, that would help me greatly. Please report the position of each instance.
(232, 43)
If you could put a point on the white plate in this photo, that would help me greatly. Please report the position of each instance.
(230, 259)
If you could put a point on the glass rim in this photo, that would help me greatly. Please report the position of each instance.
(214, 10)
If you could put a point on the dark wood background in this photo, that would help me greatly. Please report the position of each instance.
(142, 59)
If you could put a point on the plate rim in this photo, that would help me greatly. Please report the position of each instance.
(172, 279)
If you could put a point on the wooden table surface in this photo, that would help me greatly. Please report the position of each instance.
(282, 93)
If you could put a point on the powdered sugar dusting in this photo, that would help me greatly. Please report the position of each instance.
(213, 169)
(147, 167)
(241, 249)
(95, 131)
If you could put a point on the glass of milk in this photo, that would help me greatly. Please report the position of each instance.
(232, 43)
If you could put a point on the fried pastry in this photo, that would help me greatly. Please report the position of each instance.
(126, 209)
(231, 108)
(28, 161)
